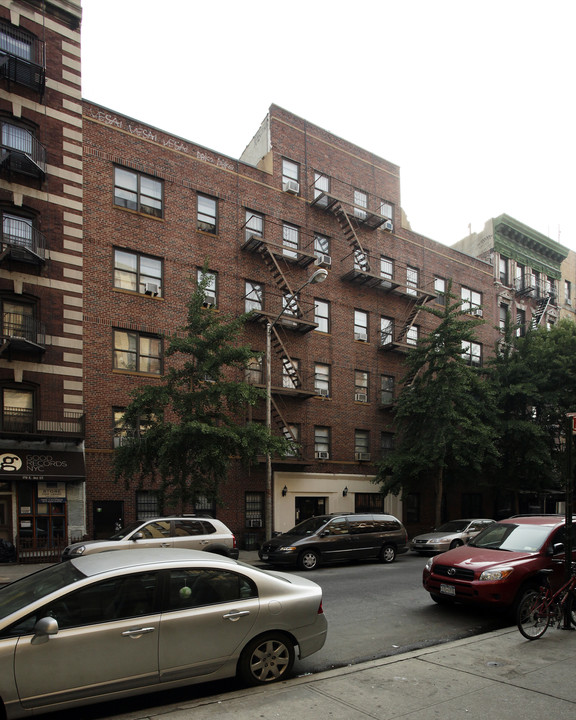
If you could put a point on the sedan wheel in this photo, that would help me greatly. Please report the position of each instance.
(308, 560)
(266, 659)
(455, 544)
(388, 554)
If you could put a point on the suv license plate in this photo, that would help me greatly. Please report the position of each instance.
(447, 589)
(264, 557)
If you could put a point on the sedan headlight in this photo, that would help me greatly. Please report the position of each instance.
(496, 574)
(78, 550)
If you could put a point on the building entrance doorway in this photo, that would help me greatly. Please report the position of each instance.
(108, 517)
(307, 507)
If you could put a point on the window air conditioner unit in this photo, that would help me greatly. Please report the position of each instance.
(363, 337)
(388, 226)
(291, 186)
(209, 299)
(361, 397)
(322, 455)
(324, 261)
(362, 456)
(151, 289)
(324, 392)
(477, 311)
(253, 522)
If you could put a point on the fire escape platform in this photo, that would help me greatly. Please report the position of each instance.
(292, 255)
(362, 216)
(288, 322)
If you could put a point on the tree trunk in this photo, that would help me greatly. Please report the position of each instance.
(439, 490)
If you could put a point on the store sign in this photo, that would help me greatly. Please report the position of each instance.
(33, 465)
(51, 491)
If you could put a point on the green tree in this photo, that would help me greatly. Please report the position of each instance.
(193, 421)
(444, 415)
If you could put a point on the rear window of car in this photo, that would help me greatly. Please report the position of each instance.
(512, 538)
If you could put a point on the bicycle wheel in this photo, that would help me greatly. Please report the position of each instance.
(533, 616)
(571, 605)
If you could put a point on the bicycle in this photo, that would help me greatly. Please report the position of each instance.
(539, 608)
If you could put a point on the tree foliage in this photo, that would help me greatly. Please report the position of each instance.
(193, 421)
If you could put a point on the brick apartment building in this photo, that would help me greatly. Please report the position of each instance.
(42, 468)
(107, 225)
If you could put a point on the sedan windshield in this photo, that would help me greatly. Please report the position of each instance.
(512, 538)
(453, 526)
(308, 527)
(33, 587)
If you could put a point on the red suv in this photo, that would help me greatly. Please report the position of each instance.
(500, 564)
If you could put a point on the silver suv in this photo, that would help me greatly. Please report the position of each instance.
(195, 533)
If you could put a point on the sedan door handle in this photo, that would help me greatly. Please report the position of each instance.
(236, 615)
(136, 632)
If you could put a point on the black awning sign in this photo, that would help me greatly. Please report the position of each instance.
(32, 465)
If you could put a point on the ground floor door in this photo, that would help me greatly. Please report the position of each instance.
(107, 518)
(307, 507)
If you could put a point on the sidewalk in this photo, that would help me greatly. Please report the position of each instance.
(499, 675)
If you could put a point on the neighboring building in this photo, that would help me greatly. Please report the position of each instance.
(527, 271)
(42, 469)
(567, 300)
(158, 207)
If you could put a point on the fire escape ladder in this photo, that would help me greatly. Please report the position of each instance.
(349, 232)
(282, 424)
(540, 311)
(413, 314)
(289, 369)
(279, 278)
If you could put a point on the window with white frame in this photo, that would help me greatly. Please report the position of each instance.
(386, 389)
(362, 260)
(440, 290)
(321, 184)
(360, 204)
(292, 434)
(567, 292)
(136, 352)
(138, 192)
(290, 240)
(362, 444)
(361, 385)
(386, 331)
(207, 214)
(322, 315)
(322, 379)
(502, 314)
(321, 245)
(386, 210)
(503, 270)
(322, 442)
(290, 368)
(253, 296)
(290, 175)
(472, 353)
(254, 224)
(520, 322)
(471, 301)
(137, 273)
(412, 280)
(361, 325)
(290, 304)
(211, 289)
(412, 335)
(386, 267)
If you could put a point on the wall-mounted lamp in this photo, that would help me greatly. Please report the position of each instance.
(345, 491)
(284, 491)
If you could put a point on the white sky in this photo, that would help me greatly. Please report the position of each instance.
(473, 100)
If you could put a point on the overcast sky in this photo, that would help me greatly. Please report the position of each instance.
(475, 101)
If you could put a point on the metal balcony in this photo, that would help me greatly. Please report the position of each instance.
(25, 424)
(21, 242)
(21, 333)
(22, 58)
(21, 152)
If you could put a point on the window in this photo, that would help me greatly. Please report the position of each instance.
(386, 389)
(440, 290)
(207, 217)
(124, 432)
(361, 444)
(321, 245)
(321, 184)
(189, 588)
(18, 319)
(255, 371)
(361, 325)
(520, 322)
(503, 312)
(386, 268)
(412, 280)
(254, 509)
(567, 292)
(290, 176)
(136, 352)
(322, 315)
(322, 379)
(471, 301)
(360, 204)
(138, 273)
(17, 409)
(138, 192)
(362, 260)
(292, 433)
(290, 240)
(386, 210)
(15, 41)
(254, 224)
(17, 137)
(386, 444)
(386, 331)
(211, 288)
(17, 231)
(254, 296)
(520, 276)
(503, 270)
(369, 502)
(322, 443)
(472, 353)
(147, 504)
(412, 507)
(290, 306)
(290, 377)
(412, 335)
(361, 385)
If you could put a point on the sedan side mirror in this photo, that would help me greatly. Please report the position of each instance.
(46, 626)
(137, 536)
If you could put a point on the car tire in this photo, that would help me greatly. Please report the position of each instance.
(455, 544)
(266, 659)
(308, 560)
(520, 597)
(387, 553)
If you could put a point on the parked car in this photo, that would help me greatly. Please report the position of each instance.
(194, 533)
(131, 622)
(501, 564)
(334, 538)
(450, 535)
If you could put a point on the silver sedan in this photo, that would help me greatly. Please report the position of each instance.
(116, 624)
(449, 536)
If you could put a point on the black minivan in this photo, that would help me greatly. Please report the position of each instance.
(336, 538)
